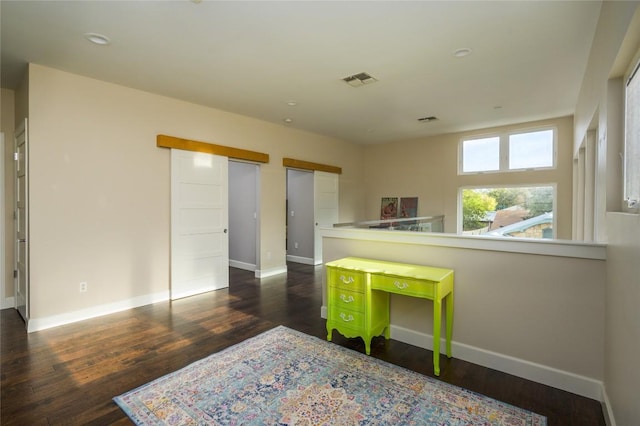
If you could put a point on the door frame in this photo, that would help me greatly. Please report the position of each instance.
(22, 128)
(3, 286)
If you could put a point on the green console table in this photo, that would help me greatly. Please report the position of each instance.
(358, 298)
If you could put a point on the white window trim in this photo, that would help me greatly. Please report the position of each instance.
(504, 150)
(632, 72)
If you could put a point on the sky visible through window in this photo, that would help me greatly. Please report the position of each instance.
(525, 151)
(481, 155)
(530, 150)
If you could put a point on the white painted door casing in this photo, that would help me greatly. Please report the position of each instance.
(21, 218)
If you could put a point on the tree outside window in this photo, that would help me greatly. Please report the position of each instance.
(523, 212)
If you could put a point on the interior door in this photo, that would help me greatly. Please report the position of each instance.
(199, 223)
(21, 218)
(325, 190)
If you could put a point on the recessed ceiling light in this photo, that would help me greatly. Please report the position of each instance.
(461, 53)
(100, 39)
(288, 120)
(292, 103)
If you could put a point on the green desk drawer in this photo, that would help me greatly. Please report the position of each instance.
(346, 318)
(401, 285)
(347, 299)
(346, 279)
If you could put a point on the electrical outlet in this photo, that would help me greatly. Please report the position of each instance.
(83, 287)
(295, 245)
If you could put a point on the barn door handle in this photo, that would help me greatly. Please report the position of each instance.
(225, 230)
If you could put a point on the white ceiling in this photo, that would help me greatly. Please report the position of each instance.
(527, 60)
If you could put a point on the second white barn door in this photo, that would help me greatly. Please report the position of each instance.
(199, 223)
(325, 189)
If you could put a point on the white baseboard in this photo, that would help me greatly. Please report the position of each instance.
(565, 380)
(195, 291)
(36, 324)
(242, 265)
(607, 411)
(299, 259)
(265, 273)
(8, 302)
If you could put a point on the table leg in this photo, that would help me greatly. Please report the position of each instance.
(449, 314)
(437, 314)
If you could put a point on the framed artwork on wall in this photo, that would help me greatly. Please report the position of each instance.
(389, 208)
(408, 207)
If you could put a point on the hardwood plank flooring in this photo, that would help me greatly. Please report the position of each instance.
(69, 374)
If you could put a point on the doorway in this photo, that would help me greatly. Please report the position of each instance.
(243, 215)
(312, 204)
(300, 220)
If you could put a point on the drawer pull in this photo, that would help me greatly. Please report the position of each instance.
(346, 299)
(400, 285)
(346, 280)
(346, 318)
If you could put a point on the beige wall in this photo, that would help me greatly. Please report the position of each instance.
(7, 124)
(622, 343)
(100, 186)
(428, 168)
(601, 105)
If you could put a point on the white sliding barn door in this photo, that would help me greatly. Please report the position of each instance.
(325, 190)
(199, 223)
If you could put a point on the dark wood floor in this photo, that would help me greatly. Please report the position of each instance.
(69, 374)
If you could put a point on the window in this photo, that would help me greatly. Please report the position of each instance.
(509, 152)
(520, 212)
(531, 150)
(632, 141)
(481, 155)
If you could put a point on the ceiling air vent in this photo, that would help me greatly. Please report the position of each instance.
(427, 119)
(358, 80)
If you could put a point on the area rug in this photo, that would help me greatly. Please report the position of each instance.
(284, 377)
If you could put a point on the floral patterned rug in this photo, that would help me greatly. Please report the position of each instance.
(284, 377)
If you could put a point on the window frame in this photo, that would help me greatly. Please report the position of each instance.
(503, 150)
(632, 73)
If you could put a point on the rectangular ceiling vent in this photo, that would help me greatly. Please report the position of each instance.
(427, 119)
(358, 80)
